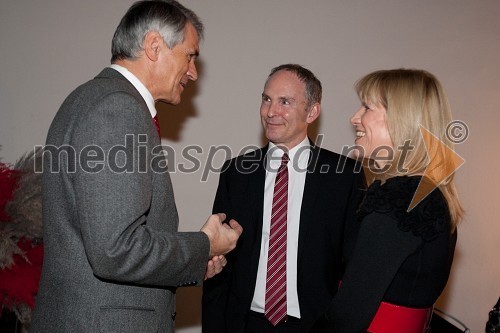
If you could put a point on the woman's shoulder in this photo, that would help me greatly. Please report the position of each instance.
(427, 219)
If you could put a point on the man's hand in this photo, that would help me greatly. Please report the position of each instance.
(215, 266)
(222, 236)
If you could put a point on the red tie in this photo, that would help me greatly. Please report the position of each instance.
(275, 308)
(157, 124)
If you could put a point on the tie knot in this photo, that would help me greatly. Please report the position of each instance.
(285, 159)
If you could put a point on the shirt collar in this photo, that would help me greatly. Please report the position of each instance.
(299, 155)
(141, 88)
(278, 152)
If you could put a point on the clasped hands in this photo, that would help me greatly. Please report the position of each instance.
(223, 238)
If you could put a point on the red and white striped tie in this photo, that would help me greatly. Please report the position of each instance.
(275, 307)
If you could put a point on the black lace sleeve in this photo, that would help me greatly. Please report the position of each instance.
(427, 220)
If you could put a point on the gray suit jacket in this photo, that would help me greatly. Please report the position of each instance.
(113, 256)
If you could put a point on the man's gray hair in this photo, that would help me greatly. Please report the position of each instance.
(168, 18)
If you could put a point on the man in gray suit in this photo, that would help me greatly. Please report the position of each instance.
(113, 255)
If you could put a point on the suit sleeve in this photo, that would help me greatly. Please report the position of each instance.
(380, 250)
(216, 289)
(113, 205)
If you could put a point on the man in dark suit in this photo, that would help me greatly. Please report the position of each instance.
(113, 255)
(323, 191)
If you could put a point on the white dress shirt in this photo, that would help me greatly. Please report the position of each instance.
(297, 170)
(141, 88)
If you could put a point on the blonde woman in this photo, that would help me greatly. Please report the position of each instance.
(404, 251)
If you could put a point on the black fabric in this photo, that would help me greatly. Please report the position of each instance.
(441, 325)
(427, 220)
(258, 323)
(400, 257)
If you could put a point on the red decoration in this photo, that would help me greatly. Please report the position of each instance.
(8, 180)
(21, 244)
(19, 284)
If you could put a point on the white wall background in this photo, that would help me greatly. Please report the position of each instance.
(48, 48)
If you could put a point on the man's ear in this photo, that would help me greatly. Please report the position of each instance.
(313, 113)
(153, 42)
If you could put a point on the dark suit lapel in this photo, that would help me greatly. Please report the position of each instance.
(311, 190)
(256, 194)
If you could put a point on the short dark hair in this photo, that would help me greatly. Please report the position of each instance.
(313, 85)
(168, 18)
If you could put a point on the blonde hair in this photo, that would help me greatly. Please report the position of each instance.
(413, 99)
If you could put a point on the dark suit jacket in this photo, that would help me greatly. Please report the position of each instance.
(327, 224)
(113, 256)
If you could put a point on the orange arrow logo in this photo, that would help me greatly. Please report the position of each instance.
(443, 162)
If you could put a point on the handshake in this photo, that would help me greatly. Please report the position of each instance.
(223, 238)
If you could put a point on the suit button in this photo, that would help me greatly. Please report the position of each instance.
(174, 315)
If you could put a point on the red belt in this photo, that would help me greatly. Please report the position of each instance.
(392, 318)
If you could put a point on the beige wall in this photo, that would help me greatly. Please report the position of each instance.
(48, 48)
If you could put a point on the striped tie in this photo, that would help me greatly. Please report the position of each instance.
(275, 308)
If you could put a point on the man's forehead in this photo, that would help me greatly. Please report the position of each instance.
(284, 85)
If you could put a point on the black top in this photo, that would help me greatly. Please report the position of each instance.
(400, 257)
